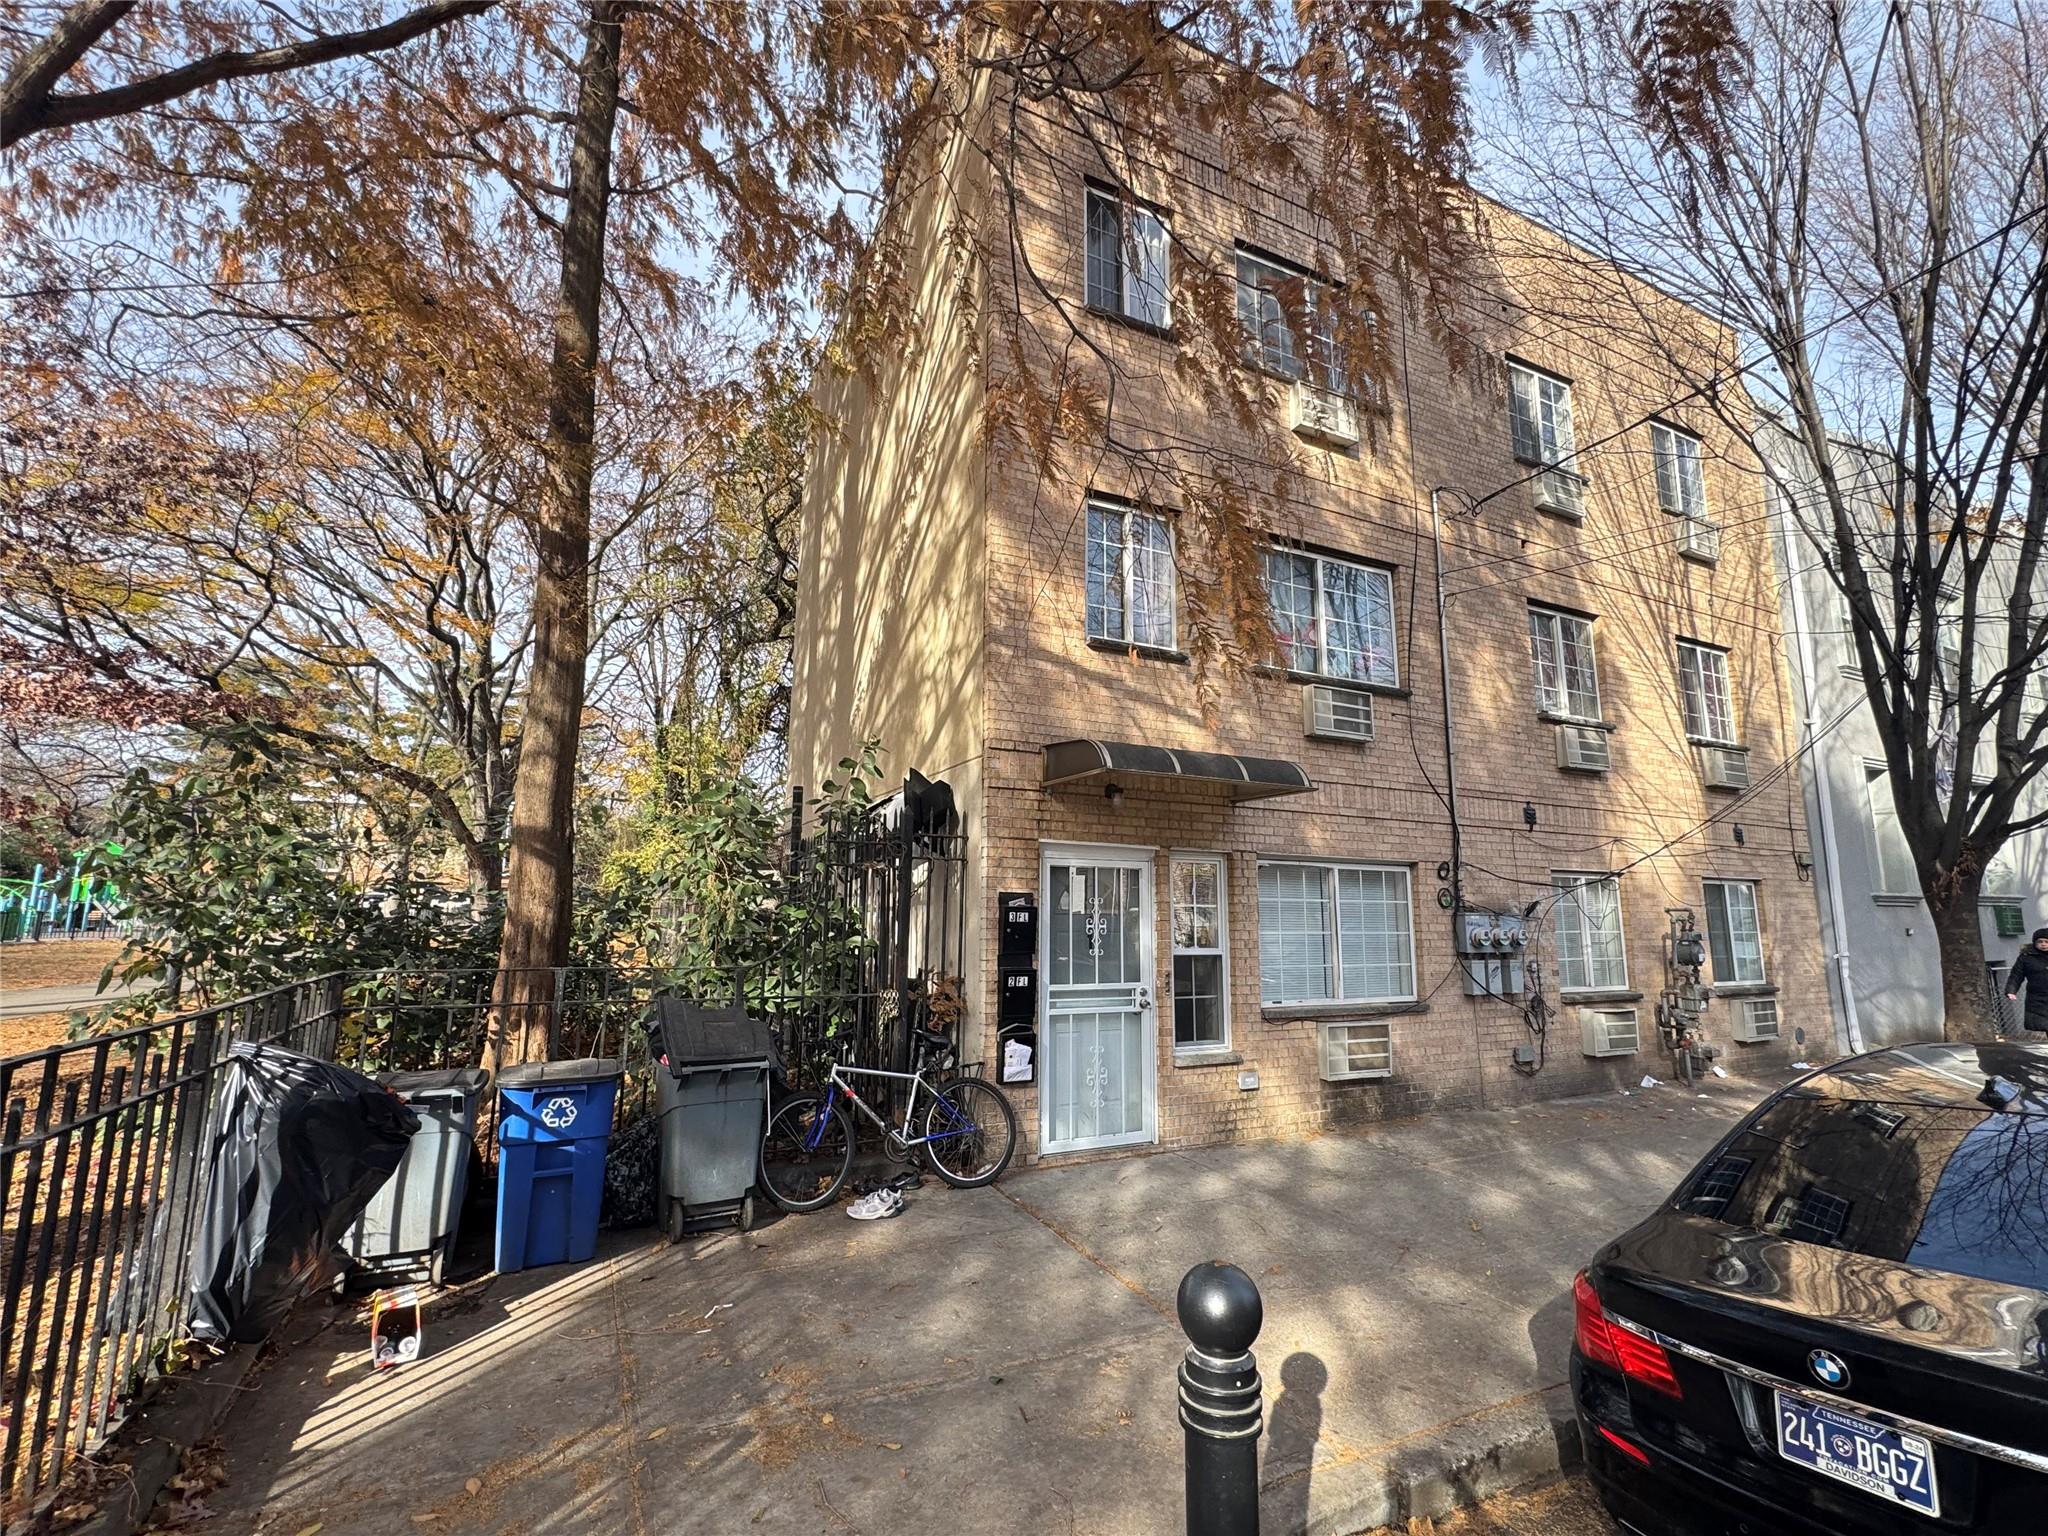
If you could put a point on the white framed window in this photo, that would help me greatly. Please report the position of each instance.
(1130, 575)
(1357, 1048)
(1735, 940)
(1567, 680)
(1333, 618)
(1127, 260)
(1540, 417)
(1587, 924)
(1681, 480)
(1271, 299)
(1201, 967)
(1703, 693)
(1335, 933)
(1890, 856)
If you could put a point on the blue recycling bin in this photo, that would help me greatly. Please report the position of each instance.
(554, 1128)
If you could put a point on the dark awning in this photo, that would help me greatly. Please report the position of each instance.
(1242, 778)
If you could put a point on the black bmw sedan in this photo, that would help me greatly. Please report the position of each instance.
(1838, 1325)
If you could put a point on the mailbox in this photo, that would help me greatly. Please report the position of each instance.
(1016, 995)
(1017, 916)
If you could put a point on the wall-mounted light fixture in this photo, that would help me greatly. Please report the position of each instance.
(1113, 793)
(1529, 814)
(1738, 834)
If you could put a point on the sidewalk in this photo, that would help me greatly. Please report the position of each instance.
(996, 1360)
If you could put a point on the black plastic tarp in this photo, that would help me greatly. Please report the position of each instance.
(300, 1147)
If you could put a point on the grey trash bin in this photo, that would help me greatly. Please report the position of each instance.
(411, 1224)
(712, 1091)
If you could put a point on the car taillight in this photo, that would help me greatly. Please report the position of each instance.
(1603, 1341)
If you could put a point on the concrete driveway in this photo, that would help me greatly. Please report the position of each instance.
(998, 1360)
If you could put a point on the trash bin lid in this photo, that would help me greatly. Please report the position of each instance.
(541, 1074)
(449, 1083)
(692, 1035)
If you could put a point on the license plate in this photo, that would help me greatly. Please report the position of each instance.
(1894, 1466)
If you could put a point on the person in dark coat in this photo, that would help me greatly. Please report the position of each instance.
(2031, 971)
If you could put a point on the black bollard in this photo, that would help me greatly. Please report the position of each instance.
(1220, 1312)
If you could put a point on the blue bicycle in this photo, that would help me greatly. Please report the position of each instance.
(968, 1130)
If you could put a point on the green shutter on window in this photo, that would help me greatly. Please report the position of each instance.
(2012, 922)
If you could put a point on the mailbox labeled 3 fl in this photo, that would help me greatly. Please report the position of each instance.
(1017, 916)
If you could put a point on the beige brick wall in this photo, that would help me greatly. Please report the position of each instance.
(1043, 682)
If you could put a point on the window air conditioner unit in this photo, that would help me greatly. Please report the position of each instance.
(1324, 415)
(1357, 1050)
(1336, 714)
(1562, 492)
(1725, 767)
(1610, 1031)
(1583, 748)
(1756, 1020)
(1700, 540)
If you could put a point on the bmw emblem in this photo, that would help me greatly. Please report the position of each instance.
(1828, 1368)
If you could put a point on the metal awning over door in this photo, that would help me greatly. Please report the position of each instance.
(1069, 764)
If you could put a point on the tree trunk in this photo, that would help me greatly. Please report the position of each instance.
(1966, 1000)
(540, 873)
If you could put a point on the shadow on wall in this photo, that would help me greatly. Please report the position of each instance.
(1291, 1435)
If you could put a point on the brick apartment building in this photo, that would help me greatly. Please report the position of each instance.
(1239, 872)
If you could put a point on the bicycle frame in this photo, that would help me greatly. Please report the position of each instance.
(836, 1083)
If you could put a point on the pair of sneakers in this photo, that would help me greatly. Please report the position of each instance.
(880, 1204)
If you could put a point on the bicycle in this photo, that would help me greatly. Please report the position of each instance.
(807, 1148)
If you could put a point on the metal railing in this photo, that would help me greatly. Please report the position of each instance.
(103, 1167)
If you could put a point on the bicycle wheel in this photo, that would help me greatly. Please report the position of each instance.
(806, 1153)
(973, 1131)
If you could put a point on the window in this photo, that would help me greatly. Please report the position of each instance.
(1681, 485)
(1890, 856)
(1334, 933)
(1127, 260)
(1567, 683)
(1201, 997)
(1331, 617)
(1130, 575)
(1734, 936)
(1587, 923)
(1540, 417)
(1271, 301)
(1703, 693)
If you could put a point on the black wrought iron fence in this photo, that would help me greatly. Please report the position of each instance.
(103, 1165)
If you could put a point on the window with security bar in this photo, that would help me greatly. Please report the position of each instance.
(1567, 681)
(1704, 696)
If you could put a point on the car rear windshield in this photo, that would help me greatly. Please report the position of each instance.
(1960, 1190)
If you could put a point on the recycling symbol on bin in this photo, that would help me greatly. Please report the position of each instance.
(558, 1114)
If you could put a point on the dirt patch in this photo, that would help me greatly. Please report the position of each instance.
(56, 962)
(36, 1032)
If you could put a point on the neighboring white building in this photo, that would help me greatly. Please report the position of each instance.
(1884, 974)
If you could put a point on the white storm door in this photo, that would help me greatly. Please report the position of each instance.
(1098, 1040)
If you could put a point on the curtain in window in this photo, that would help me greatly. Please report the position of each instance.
(1106, 573)
(1151, 581)
(1291, 590)
(1146, 299)
(1294, 934)
(1358, 633)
